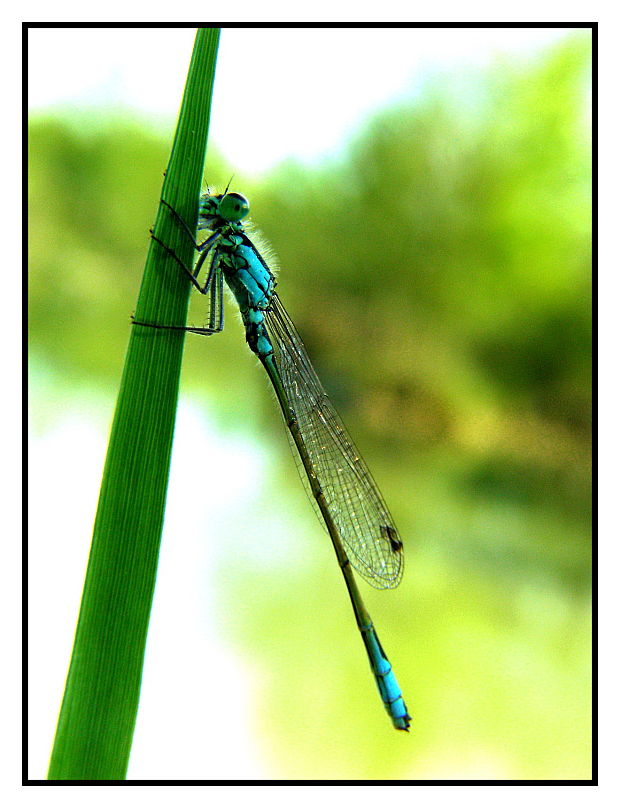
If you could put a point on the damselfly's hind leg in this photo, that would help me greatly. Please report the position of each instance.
(214, 285)
(192, 274)
(192, 329)
(216, 307)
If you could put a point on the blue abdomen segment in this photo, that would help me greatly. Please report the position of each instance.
(389, 689)
(252, 285)
(248, 278)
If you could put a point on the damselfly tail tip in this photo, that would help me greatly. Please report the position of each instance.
(402, 721)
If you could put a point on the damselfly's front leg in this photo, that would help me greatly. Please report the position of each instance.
(198, 247)
(204, 249)
(213, 284)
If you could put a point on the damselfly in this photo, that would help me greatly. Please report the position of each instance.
(339, 483)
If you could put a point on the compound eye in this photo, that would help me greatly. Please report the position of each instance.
(234, 207)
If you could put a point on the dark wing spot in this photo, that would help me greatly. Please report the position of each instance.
(391, 535)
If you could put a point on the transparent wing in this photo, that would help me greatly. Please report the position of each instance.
(353, 499)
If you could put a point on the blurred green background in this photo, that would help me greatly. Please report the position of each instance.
(439, 271)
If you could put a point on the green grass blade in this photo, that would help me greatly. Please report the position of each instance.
(98, 713)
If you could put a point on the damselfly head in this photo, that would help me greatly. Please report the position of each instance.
(217, 210)
(234, 207)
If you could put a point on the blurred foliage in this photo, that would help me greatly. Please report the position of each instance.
(440, 273)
